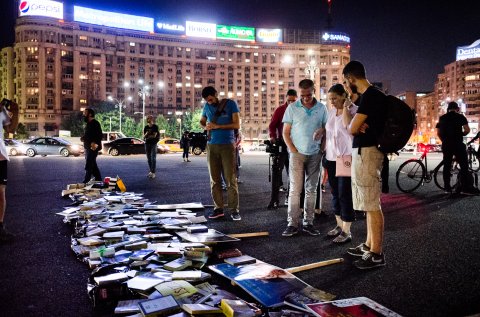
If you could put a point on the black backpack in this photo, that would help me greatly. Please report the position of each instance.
(399, 124)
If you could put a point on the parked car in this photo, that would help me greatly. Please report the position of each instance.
(173, 145)
(14, 147)
(198, 142)
(52, 146)
(128, 146)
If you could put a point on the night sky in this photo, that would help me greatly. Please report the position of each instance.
(405, 42)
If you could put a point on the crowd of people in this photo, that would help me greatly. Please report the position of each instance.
(315, 144)
(338, 142)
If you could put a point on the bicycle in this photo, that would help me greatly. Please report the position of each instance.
(473, 158)
(413, 173)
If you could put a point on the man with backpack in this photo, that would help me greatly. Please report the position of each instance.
(220, 119)
(366, 126)
(451, 128)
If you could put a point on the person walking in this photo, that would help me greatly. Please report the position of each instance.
(8, 121)
(303, 127)
(185, 144)
(338, 146)
(280, 160)
(451, 128)
(151, 136)
(367, 162)
(92, 143)
(220, 119)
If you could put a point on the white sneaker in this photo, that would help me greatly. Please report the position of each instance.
(153, 175)
(149, 175)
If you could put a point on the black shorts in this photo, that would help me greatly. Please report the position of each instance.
(3, 172)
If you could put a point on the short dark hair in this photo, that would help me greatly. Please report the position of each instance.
(209, 91)
(452, 105)
(355, 69)
(292, 92)
(306, 83)
(90, 112)
(338, 89)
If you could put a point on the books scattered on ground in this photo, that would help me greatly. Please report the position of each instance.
(267, 283)
(149, 260)
(240, 260)
(163, 306)
(359, 306)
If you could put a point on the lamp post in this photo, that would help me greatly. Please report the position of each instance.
(311, 68)
(143, 92)
(120, 103)
(179, 120)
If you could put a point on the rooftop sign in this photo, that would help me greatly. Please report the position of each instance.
(238, 33)
(467, 52)
(112, 19)
(46, 8)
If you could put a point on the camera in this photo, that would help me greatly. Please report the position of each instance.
(273, 148)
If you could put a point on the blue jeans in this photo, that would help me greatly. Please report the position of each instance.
(303, 169)
(341, 193)
(151, 151)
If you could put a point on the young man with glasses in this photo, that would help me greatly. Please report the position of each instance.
(303, 128)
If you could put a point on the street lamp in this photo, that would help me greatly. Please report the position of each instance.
(311, 68)
(120, 103)
(143, 92)
(179, 120)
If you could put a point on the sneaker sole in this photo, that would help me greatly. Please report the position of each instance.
(289, 234)
(236, 219)
(355, 254)
(216, 216)
(343, 241)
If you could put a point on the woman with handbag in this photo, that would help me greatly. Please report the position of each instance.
(338, 161)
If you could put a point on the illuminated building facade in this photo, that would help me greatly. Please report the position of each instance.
(58, 66)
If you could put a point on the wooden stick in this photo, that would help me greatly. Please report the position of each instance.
(249, 235)
(313, 265)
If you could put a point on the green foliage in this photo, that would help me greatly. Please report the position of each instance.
(105, 112)
(192, 121)
(21, 132)
(73, 123)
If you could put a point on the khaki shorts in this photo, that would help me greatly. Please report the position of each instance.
(366, 179)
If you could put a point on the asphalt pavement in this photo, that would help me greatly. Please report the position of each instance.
(431, 240)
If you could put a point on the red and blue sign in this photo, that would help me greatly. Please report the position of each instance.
(24, 6)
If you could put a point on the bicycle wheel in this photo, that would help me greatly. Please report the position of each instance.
(438, 175)
(410, 175)
(473, 163)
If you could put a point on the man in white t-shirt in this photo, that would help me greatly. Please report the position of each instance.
(6, 119)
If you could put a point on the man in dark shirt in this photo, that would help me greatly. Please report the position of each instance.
(451, 128)
(281, 159)
(151, 135)
(92, 142)
(367, 160)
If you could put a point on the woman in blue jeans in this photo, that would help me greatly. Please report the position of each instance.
(338, 144)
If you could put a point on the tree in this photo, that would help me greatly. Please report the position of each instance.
(73, 123)
(21, 132)
(191, 121)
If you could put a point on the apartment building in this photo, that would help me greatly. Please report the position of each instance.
(57, 66)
